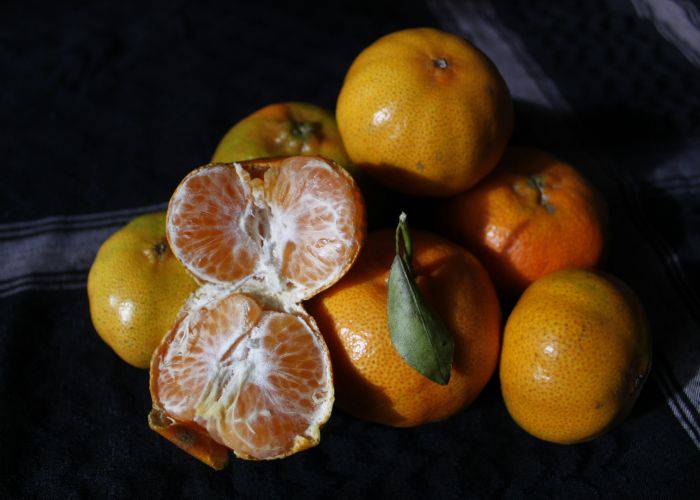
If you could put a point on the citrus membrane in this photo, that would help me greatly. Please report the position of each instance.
(257, 380)
(288, 230)
(244, 367)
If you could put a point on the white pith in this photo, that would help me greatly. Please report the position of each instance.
(238, 362)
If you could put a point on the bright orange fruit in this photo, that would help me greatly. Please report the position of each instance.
(425, 112)
(372, 380)
(244, 367)
(533, 215)
(576, 352)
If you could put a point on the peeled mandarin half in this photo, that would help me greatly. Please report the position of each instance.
(244, 368)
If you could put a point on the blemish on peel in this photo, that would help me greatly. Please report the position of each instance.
(186, 437)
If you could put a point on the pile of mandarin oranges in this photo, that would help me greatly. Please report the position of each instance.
(262, 297)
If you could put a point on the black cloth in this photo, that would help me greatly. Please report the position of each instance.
(104, 106)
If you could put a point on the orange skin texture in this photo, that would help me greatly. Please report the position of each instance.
(283, 129)
(372, 381)
(136, 287)
(576, 353)
(424, 112)
(533, 215)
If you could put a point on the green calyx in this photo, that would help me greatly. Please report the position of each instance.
(537, 182)
(304, 130)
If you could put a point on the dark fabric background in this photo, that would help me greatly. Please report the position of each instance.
(106, 105)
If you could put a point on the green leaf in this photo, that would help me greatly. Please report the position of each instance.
(418, 334)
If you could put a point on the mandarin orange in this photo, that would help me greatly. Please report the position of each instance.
(136, 288)
(425, 112)
(283, 129)
(244, 367)
(535, 214)
(372, 380)
(576, 352)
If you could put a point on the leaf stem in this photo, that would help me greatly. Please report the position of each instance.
(404, 245)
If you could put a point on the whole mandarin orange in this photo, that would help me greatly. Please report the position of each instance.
(283, 129)
(136, 287)
(372, 380)
(533, 215)
(425, 112)
(576, 352)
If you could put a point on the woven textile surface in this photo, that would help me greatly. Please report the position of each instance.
(105, 106)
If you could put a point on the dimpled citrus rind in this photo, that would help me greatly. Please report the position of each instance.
(135, 289)
(576, 352)
(424, 112)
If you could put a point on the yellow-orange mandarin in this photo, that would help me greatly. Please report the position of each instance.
(576, 352)
(424, 112)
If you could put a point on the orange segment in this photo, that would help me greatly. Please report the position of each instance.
(208, 224)
(257, 381)
(285, 383)
(314, 221)
(190, 358)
